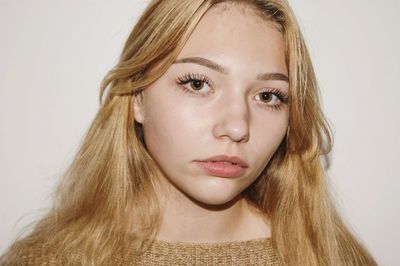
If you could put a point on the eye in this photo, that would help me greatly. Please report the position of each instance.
(273, 98)
(269, 97)
(195, 84)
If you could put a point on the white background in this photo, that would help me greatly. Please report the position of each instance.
(53, 55)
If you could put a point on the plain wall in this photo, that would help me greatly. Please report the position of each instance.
(54, 54)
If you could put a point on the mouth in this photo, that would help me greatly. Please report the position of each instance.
(224, 162)
(233, 160)
(223, 166)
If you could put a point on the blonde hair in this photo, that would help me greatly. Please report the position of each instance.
(107, 196)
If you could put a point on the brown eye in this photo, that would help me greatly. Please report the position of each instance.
(266, 96)
(197, 84)
(272, 98)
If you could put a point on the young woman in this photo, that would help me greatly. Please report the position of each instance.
(206, 150)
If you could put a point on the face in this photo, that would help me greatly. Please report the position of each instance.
(226, 94)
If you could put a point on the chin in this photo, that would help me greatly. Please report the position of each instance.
(214, 196)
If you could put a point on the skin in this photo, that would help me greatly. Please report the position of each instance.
(230, 117)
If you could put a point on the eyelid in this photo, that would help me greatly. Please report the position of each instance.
(195, 76)
(189, 77)
(282, 99)
(282, 95)
(184, 80)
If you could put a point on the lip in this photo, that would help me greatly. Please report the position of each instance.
(226, 158)
(223, 166)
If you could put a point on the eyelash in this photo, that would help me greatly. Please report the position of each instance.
(190, 77)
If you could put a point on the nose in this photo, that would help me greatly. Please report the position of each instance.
(232, 120)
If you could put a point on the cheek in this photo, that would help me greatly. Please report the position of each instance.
(171, 128)
(269, 133)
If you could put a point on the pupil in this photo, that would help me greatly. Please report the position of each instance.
(266, 96)
(197, 84)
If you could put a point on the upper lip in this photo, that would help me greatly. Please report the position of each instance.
(226, 158)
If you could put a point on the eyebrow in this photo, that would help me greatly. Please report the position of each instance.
(221, 69)
(273, 76)
(204, 62)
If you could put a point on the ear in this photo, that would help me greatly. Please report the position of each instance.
(138, 111)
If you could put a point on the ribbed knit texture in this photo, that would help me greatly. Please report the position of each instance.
(250, 252)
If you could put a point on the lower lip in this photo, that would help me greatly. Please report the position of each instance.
(222, 169)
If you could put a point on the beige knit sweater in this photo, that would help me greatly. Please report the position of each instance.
(250, 252)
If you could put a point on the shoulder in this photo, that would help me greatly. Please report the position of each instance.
(30, 255)
(39, 254)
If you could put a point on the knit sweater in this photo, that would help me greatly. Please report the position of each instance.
(249, 252)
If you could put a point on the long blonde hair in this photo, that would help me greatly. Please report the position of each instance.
(107, 196)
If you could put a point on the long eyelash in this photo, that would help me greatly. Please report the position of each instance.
(189, 77)
(283, 99)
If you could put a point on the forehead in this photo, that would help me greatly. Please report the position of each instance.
(236, 34)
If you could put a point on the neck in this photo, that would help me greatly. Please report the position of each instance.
(187, 220)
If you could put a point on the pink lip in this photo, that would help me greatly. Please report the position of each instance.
(222, 166)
